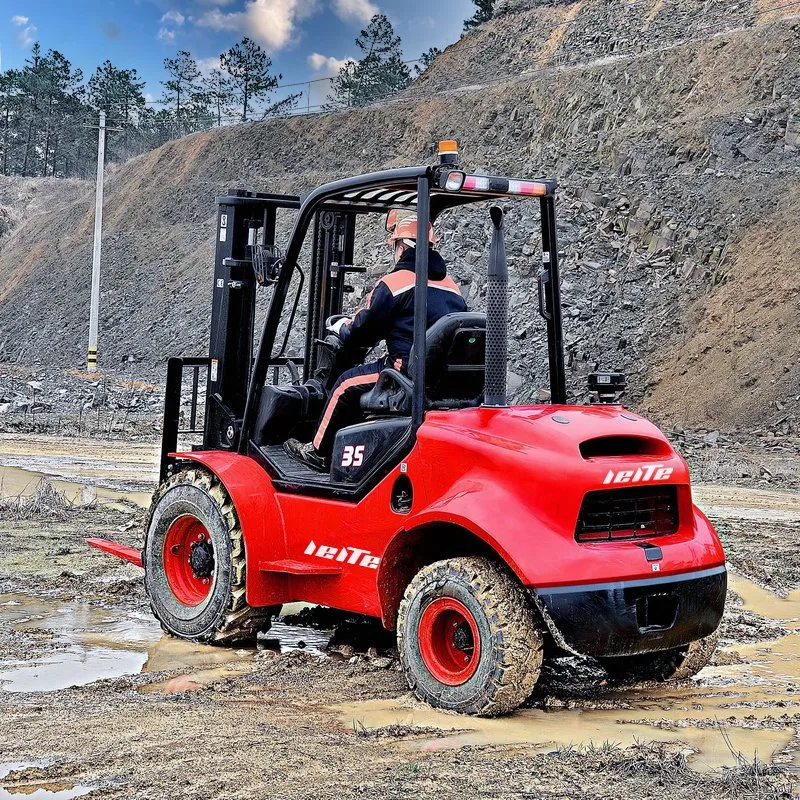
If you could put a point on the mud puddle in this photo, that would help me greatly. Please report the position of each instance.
(83, 469)
(758, 505)
(79, 644)
(726, 711)
(32, 789)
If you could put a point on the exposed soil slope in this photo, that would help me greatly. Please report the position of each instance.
(21, 198)
(675, 145)
(743, 356)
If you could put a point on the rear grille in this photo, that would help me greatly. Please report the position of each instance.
(633, 513)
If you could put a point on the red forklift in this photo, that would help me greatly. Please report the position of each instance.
(485, 535)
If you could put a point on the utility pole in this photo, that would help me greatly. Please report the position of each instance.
(91, 357)
(94, 311)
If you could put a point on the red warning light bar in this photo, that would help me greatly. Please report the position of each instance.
(486, 183)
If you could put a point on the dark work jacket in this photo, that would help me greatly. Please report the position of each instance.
(388, 311)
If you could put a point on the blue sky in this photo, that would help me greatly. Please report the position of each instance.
(306, 38)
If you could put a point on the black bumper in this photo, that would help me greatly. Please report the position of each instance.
(615, 619)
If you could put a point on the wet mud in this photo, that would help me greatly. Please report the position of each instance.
(84, 469)
(96, 700)
(25, 785)
(729, 711)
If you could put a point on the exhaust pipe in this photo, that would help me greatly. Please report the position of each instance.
(496, 316)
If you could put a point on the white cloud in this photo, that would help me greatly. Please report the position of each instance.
(269, 22)
(174, 17)
(169, 22)
(27, 36)
(18, 19)
(208, 65)
(327, 64)
(361, 10)
(220, 21)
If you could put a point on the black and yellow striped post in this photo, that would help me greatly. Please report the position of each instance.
(91, 359)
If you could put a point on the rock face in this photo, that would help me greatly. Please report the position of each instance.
(676, 146)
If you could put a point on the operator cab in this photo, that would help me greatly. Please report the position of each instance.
(258, 397)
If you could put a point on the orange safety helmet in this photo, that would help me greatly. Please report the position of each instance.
(405, 230)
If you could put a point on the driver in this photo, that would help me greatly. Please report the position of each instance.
(387, 314)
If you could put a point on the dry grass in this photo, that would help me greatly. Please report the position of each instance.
(666, 765)
(85, 376)
(136, 385)
(654, 761)
(46, 502)
(753, 778)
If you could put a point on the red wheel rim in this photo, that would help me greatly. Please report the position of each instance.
(187, 549)
(449, 641)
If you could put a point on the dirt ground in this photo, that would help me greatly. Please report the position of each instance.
(94, 701)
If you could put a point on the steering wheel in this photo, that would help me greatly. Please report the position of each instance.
(334, 318)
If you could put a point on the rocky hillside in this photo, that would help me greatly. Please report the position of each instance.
(673, 126)
(21, 198)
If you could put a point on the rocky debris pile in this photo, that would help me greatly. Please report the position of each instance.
(765, 458)
(72, 402)
(531, 35)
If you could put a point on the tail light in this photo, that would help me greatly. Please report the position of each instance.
(631, 513)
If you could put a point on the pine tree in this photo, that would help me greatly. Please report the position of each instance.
(48, 96)
(182, 87)
(250, 81)
(63, 101)
(217, 90)
(9, 110)
(426, 59)
(118, 92)
(379, 73)
(485, 11)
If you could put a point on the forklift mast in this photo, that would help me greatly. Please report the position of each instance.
(245, 223)
(334, 240)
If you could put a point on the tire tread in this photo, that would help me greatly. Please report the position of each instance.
(512, 621)
(240, 622)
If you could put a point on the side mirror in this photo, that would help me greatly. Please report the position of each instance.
(608, 386)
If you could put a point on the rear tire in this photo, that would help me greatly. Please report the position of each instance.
(468, 637)
(678, 664)
(194, 561)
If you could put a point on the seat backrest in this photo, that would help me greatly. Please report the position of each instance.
(455, 363)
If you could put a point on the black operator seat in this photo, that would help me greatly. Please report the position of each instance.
(454, 369)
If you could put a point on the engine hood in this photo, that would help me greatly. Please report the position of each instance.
(519, 476)
(613, 431)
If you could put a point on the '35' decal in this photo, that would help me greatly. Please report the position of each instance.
(353, 456)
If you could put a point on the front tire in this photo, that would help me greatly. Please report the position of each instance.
(194, 561)
(468, 637)
(678, 664)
